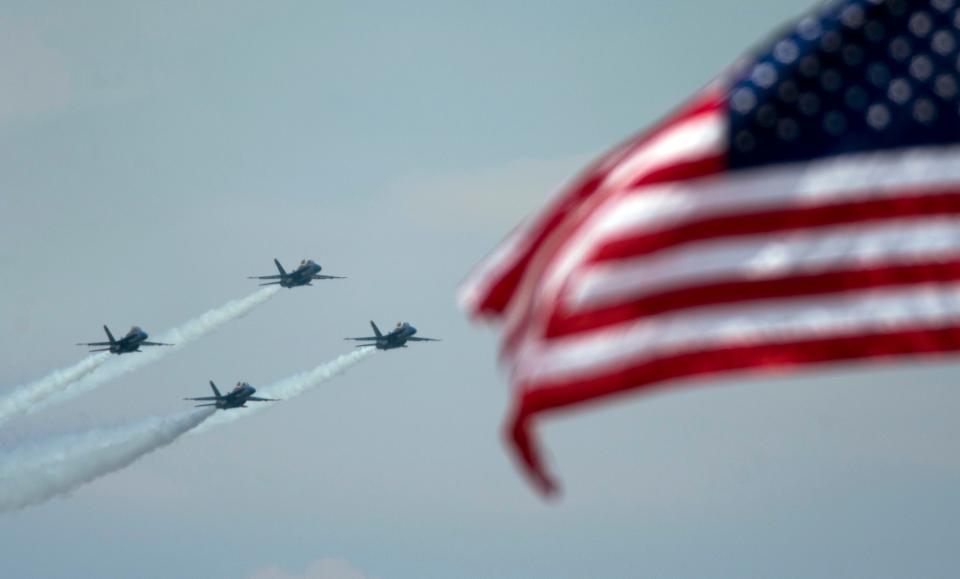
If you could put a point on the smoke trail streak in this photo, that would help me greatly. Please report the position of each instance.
(292, 386)
(180, 337)
(35, 473)
(23, 397)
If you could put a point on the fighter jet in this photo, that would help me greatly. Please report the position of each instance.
(397, 338)
(306, 272)
(236, 398)
(135, 338)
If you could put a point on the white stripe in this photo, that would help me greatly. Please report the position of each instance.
(698, 137)
(878, 175)
(768, 256)
(768, 322)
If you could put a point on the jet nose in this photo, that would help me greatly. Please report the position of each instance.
(413, 330)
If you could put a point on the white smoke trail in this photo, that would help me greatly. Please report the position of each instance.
(180, 337)
(23, 397)
(35, 473)
(291, 387)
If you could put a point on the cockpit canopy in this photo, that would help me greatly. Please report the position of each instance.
(136, 330)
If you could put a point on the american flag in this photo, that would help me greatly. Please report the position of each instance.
(804, 208)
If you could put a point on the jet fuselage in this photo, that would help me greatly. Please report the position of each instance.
(397, 338)
(303, 275)
(236, 398)
(131, 342)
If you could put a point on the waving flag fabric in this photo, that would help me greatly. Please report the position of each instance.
(804, 208)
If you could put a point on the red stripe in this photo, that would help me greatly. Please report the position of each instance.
(542, 397)
(681, 171)
(912, 203)
(498, 296)
(839, 281)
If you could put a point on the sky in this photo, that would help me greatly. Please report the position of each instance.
(153, 155)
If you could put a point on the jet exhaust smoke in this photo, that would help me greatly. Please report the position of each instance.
(35, 473)
(179, 337)
(292, 387)
(23, 397)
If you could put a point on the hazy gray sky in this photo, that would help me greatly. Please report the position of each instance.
(153, 155)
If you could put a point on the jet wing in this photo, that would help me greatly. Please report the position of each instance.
(416, 339)
(258, 399)
(264, 277)
(318, 276)
(94, 344)
(371, 339)
(155, 344)
(202, 398)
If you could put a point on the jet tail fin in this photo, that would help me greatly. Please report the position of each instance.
(279, 267)
(215, 391)
(109, 335)
(376, 330)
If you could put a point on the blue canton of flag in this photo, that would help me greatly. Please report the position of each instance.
(856, 76)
